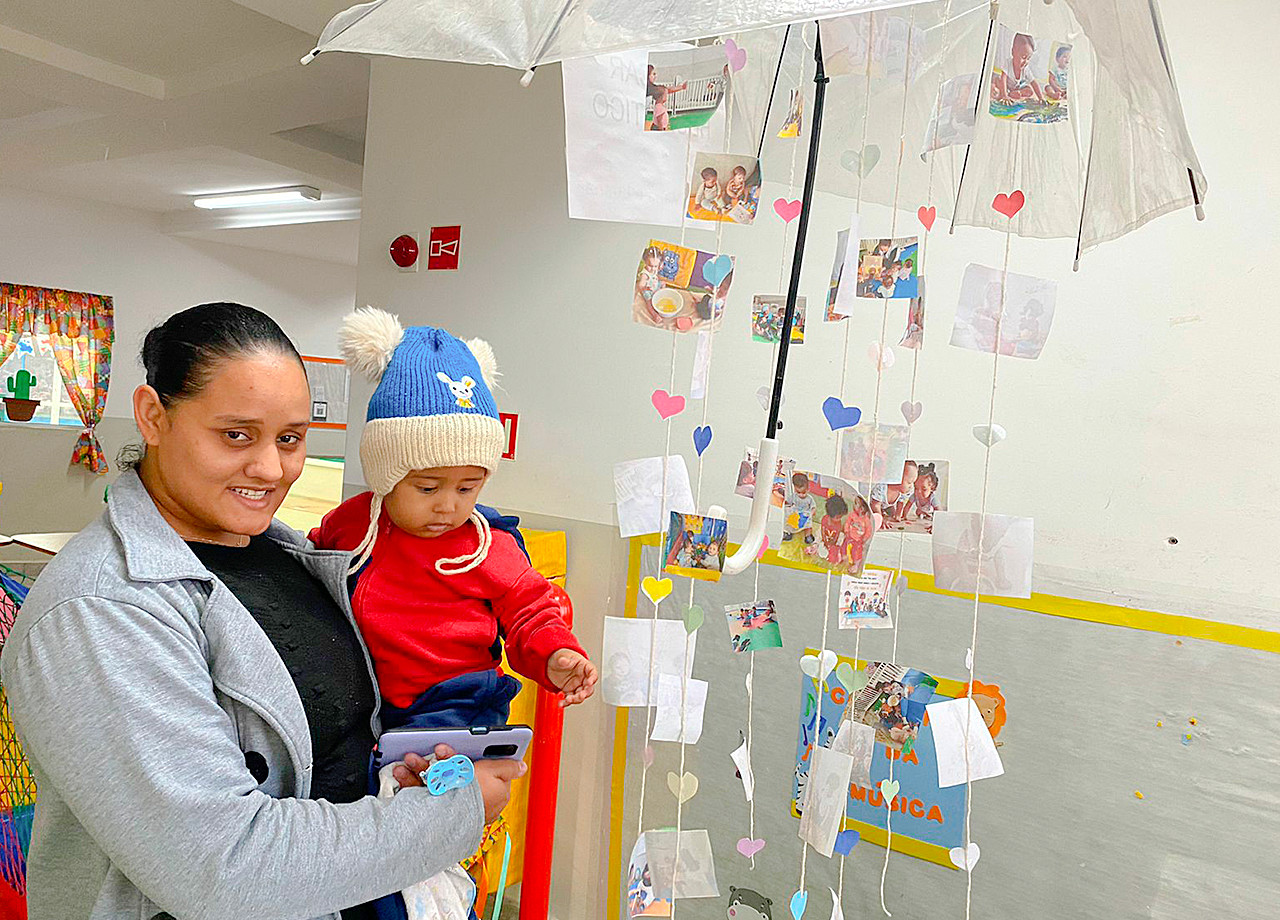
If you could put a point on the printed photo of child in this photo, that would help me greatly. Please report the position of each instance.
(695, 546)
(767, 313)
(873, 453)
(1029, 78)
(833, 286)
(753, 627)
(887, 268)
(826, 523)
(913, 336)
(746, 485)
(683, 88)
(724, 188)
(909, 506)
(795, 114)
(673, 293)
(893, 703)
(1024, 325)
(954, 114)
(864, 600)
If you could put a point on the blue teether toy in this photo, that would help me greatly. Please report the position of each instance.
(453, 773)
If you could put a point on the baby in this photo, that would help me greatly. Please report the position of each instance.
(1014, 83)
(924, 500)
(661, 117)
(649, 280)
(1056, 90)
(708, 194)
(799, 520)
(442, 584)
(735, 190)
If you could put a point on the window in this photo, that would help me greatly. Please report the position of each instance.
(34, 354)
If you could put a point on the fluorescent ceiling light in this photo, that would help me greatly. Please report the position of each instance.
(293, 193)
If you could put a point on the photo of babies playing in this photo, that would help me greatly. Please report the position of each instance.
(683, 88)
(680, 289)
(888, 268)
(753, 626)
(857, 445)
(1029, 78)
(746, 485)
(826, 523)
(893, 703)
(724, 187)
(908, 506)
(864, 600)
(913, 335)
(1028, 312)
(767, 312)
(695, 546)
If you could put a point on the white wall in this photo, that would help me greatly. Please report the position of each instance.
(84, 246)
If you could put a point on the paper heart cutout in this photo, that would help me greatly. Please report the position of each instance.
(844, 674)
(968, 659)
(749, 848)
(765, 393)
(666, 404)
(693, 618)
(911, 411)
(846, 841)
(764, 548)
(863, 163)
(839, 415)
(1009, 205)
(787, 210)
(878, 519)
(648, 756)
(927, 216)
(889, 788)
(656, 588)
(716, 270)
(799, 901)
(899, 585)
(989, 435)
(819, 670)
(885, 353)
(860, 679)
(683, 788)
(747, 682)
(701, 438)
(958, 857)
(737, 56)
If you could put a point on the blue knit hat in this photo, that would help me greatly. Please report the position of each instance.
(432, 406)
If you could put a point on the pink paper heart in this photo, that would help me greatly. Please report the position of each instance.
(666, 404)
(787, 210)
(911, 411)
(927, 216)
(648, 756)
(737, 56)
(878, 518)
(1009, 205)
(749, 848)
(764, 548)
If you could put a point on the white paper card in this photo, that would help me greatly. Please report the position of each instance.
(1008, 545)
(626, 658)
(692, 875)
(607, 150)
(637, 486)
(666, 721)
(954, 114)
(742, 760)
(1025, 321)
(878, 451)
(951, 721)
(859, 742)
(701, 367)
(826, 793)
(847, 290)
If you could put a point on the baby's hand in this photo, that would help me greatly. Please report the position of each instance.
(573, 673)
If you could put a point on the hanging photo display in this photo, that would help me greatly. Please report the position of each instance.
(746, 485)
(826, 523)
(873, 453)
(641, 901)
(684, 87)
(909, 505)
(888, 268)
(893, 703)
(695, 546)
(913, 335)
(767, 314)
(724, 187)
(954, 114)
(864, 600)
(1029, 78)
(753, 626)
(1007, 553)
(1028, 312)
(833, 315)
(680, 289)
(795, 115)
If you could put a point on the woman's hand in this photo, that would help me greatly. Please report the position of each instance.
(494, 777)
(573, 673)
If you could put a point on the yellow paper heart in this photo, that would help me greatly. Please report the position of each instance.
(683, 788)
(656, 588)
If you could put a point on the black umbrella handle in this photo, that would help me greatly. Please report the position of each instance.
(793, 289)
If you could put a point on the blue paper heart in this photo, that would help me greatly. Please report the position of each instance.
(701, 438)
(839, 415)
(798, 902)
(716, 270)
(846, 841)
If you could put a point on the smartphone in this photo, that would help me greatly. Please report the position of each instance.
(506, 742)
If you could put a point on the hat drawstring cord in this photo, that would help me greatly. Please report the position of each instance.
(460, 564)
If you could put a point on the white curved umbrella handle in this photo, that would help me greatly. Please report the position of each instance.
(766, 465)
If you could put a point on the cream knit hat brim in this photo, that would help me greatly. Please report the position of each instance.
(391, 447)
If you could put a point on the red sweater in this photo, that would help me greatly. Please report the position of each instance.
(422, 627)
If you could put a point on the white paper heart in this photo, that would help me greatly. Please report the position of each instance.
(989, 435)
(887, 357)
(958, 857)
(748, 683)
(968, 659)
(684, 788)
(911, 411)
(819, 670)
(765, 393)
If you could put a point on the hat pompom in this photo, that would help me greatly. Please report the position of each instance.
(483, 353)
(368, 339)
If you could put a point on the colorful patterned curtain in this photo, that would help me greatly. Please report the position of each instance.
(81, 328)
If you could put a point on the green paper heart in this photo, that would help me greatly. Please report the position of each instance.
(845, 674)
(889, 788)
(861, 163)
(693, 617)
(860, 679)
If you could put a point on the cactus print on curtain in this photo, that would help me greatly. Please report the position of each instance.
(81, 329)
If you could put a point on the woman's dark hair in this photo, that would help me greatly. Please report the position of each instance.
(182, 353)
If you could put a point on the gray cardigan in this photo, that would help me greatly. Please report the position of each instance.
(137, 684)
